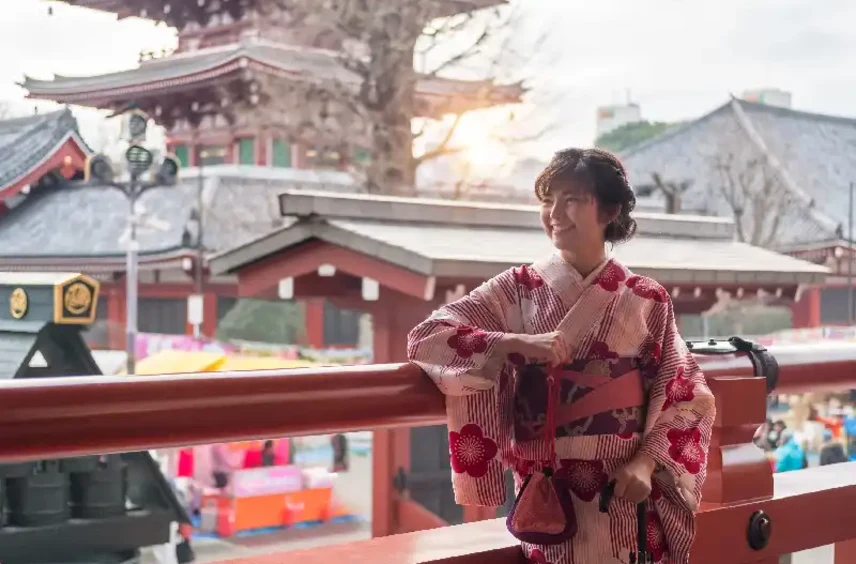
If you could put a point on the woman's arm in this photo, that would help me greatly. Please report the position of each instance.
(681, 411)
(463, 345)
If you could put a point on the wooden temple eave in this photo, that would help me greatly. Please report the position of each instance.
(68, 157)
(177, 13)
(309, 259)
(248, 75)
(95, 264)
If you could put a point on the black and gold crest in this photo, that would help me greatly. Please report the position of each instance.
(75, 300)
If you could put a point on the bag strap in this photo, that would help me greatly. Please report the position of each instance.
(550, 425)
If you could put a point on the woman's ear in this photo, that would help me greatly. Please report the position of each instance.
(608, 214)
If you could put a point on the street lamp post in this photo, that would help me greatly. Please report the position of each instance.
(198, 272)
(138, 161)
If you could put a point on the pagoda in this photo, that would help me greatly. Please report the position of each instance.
(217, 97)
(219, 94)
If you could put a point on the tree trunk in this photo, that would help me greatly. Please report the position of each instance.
(388, 94)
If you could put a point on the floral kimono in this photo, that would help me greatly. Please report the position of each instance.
(616, 324)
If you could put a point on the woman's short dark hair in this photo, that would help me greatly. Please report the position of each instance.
(605, 176)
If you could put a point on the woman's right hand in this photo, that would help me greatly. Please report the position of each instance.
(546, 347)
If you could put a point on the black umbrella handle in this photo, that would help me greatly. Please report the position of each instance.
(642, 556)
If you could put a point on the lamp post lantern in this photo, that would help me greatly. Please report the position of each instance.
(138, 162)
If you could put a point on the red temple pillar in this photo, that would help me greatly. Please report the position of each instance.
(392, 319)
(261, 145)
(806, 310)
(115, 318)
(314, 323)
(209, 314)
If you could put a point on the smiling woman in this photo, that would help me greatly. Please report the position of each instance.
(570, 372)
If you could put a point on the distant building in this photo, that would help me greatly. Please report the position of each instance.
(38, 151)
(804, 161)
(610, 118)
(216, 96)
(768, 96)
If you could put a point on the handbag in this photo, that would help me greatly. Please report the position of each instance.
(543, 512)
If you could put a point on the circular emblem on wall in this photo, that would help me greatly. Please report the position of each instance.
(78, 298)
(18, 303)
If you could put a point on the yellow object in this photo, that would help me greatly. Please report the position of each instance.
(179, 362)
(182, 362)
(245, 362)
(19, 303)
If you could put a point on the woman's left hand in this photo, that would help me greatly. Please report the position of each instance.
(633, 482)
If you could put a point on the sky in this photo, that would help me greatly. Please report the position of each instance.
(677, 59)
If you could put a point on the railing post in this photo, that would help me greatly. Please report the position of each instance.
(738, 471)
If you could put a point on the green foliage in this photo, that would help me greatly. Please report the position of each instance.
(744, 321)
(631, 134)
(263, 321)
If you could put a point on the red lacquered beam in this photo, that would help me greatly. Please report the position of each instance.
(58, 417)
(815, 367)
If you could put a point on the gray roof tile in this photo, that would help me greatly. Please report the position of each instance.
(301, 63)
(818, 152)
(522, 246)
(27, 141)
(89, 221)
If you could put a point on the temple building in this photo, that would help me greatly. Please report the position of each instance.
(787, 175)
(216, 97)
(217, 94)
(37, 152)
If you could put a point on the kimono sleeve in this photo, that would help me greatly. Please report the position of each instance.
(681, 413)
(456, 347)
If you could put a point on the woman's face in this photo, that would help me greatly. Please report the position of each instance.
(571, 218)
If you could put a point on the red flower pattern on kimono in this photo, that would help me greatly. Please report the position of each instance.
(527, 278)
(600, 351)
(656, 538)
(685, 448)
(523, 467)
(647, 288)
(467, 341)
(649, 360)
(537, 557)
(471, 451)
(586, 478)
(678, 389)
(610, 277)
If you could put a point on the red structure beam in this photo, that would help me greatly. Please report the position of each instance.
(59, 417)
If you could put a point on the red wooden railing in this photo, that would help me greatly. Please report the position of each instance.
(73, 416)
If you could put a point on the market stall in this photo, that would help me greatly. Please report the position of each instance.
(271, 484)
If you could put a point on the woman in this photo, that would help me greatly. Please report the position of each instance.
(608, 328)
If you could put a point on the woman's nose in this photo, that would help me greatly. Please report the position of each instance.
(557, 211)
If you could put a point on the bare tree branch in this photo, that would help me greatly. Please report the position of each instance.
(755, 195)
(443, 147)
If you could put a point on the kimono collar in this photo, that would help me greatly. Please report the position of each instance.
(564, 278)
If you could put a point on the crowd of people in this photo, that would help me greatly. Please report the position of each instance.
(789, 452)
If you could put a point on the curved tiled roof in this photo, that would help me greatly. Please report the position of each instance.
(300, 63)
(815, 153)
(27, 142)
(73, 220)
(445, 242)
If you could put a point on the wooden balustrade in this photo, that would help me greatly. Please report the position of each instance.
(73, 416)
